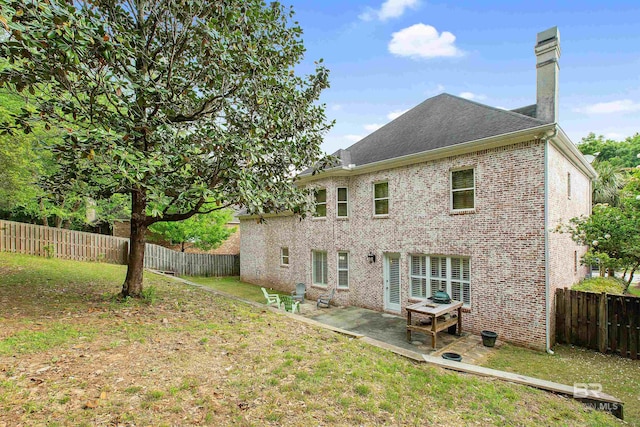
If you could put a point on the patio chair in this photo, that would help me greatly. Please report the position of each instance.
(271, 298)
(299, 293)
(287, 302)
(325, 299)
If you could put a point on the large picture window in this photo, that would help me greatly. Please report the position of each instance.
(381, 198)
(430, 274)
(319, 268)
(463, 189)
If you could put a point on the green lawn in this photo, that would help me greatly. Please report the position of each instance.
(72, 353)
(606, 284)
(619, 377)
(233, 286)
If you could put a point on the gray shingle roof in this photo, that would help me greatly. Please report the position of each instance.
(438, 122)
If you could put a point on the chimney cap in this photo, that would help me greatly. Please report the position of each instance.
(547, 35)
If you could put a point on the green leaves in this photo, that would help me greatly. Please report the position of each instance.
(611, 232)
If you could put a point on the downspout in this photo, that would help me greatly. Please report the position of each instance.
(547, 285)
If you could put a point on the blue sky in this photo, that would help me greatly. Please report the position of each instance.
(386, 56)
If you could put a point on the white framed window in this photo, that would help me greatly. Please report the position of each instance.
(284, 256)
(319, 267)
(342, 200)
(463, 189)
(321, 202)
(381, 198)
(568, 185)
(343, 269)
(429, 274)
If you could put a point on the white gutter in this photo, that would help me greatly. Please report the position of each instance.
(547, 285)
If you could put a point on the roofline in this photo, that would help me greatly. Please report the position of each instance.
(536, 132)
(266, 215)
(562, 142)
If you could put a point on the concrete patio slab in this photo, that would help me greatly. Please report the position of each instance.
(379, 326)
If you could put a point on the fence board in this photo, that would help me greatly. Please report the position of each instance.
(599, 321)
(38, 240)
(634, 332)
(76, 245)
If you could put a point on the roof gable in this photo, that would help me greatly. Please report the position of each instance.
(442, 121)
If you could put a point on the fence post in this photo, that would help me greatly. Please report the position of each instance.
(603, 337)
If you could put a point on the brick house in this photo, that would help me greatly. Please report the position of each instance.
(452, 195)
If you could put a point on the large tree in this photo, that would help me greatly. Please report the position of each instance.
(186, 106)
(611, 233)
(204, 231)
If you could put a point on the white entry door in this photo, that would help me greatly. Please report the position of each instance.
(392, 282)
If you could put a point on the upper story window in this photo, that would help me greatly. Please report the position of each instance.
(381, 198)
(284, 256)
(321, 202)
(568, 185)
(343, 202)
(463, 189)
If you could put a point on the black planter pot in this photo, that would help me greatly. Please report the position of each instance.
(452, 356)
(489, 338)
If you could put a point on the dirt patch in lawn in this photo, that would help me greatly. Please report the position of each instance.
(72, 354)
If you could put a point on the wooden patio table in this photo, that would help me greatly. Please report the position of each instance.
(433, 311)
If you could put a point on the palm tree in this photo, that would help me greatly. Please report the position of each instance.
(607, 186)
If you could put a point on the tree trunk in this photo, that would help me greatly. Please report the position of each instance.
(182, 247)
(43, 216)
(132, 286)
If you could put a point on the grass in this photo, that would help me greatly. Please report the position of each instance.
(233, 286)
(619, 377)
(609, 285)
(194, 358)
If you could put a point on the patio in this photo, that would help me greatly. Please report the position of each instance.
(391, 329)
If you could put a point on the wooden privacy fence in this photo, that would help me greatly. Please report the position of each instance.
(61, 243)
(76, 245)
(186, 264)
(603, 322)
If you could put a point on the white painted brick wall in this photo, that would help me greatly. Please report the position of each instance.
(504, 238)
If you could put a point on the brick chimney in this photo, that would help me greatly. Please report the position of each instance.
(547, 54)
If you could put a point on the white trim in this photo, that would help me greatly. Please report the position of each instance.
(547, 284)
(447, 278)
(316, 204)
(533, 133)
(338, 202)
(282, 256)
(325, 265)
(452, 190)
(388, 199)
(386, 289)
(338, 270)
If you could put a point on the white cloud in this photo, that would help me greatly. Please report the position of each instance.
(389, 9)
(372, 127)
(353, 138)
(614, 135)
(472, 96)
(423, 41)
(336, 107)
(395, 114)
(440, 88)
(621, 106)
